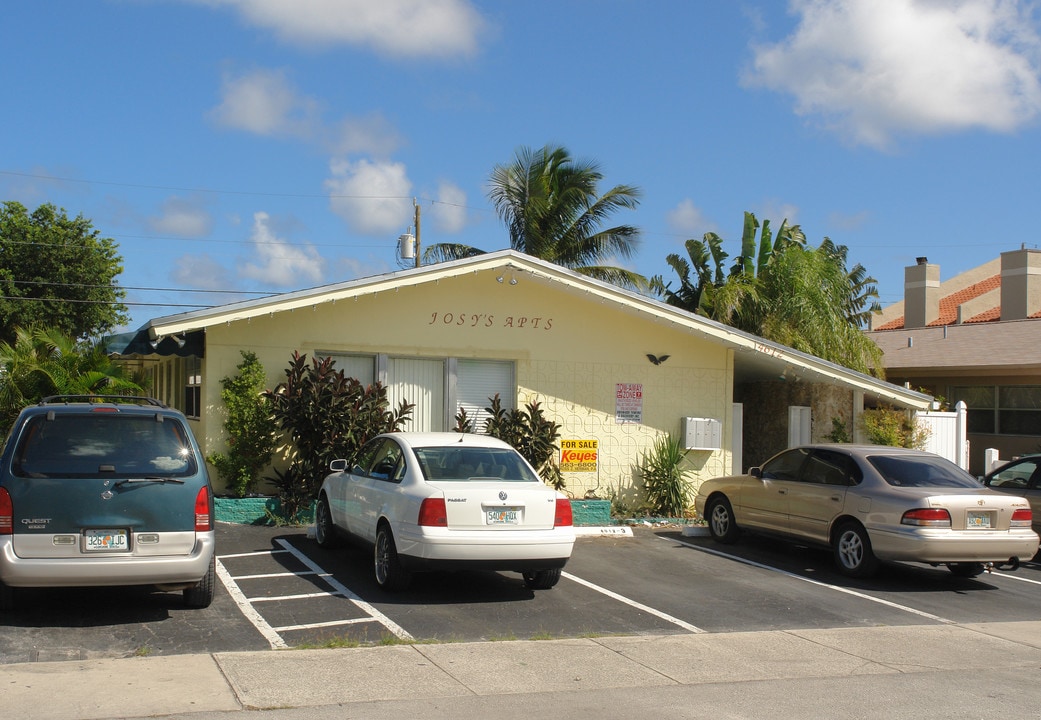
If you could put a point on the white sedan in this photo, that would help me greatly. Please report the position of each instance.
(440, 501)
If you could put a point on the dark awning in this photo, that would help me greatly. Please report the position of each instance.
(139, 343)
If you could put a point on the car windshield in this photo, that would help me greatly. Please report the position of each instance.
(921, 471)
(462, 464)
(103, 444)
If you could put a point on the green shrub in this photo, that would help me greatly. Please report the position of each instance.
(664, 480)
(326, 416)
(888, 426)
(530, 432)
(249, 426)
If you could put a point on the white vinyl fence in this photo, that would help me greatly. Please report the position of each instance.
(947, 434)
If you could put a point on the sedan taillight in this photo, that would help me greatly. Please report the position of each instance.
(203, 519)
(433, 512)
(927, 517)
(6, 513)
(1023, 517)
(563, 517)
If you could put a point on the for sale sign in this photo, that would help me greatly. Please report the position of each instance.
(578, 455)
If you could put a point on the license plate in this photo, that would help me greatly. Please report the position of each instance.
(105, 540)
(503, 516)
(978, 520)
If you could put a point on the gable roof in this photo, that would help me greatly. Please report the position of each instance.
(755, 358)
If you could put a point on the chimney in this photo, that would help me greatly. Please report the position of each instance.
(921, 294)
(1020, 284)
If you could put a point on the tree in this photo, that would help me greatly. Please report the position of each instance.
(780, 289)
(42, 362)
(57, 272)
(552, 210)
(249, 425)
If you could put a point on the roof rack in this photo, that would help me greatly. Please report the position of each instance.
(98, 399)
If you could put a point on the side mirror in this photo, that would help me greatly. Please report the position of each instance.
(338, 465)
(756, 472)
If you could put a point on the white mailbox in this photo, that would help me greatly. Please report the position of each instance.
(702, 433)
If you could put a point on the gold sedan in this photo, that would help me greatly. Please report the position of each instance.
(872, 503)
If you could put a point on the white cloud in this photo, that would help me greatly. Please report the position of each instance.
(264, 103)
(200, 272)
(777, 212)
(372, 134)
(406, 28)
(687, 219)
(374, 198)
(182, 218)
(873, 69)
(278, 262)
(449, 213)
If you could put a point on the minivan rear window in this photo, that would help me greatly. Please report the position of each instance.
(103, 444)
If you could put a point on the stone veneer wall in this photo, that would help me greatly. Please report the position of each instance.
(766, 414)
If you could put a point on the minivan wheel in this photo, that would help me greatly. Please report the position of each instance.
(201, 595)
(390, 575)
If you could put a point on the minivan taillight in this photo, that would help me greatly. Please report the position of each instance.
(1024, 517)
(433, 512)
(6, 513)
(203, 519)
(563, 516)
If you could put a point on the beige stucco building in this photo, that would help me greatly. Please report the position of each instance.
(975, 338)
(609, 365)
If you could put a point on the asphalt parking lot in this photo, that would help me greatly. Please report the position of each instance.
(278, 589)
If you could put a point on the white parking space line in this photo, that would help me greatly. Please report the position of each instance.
(342, 589)
(837, 588)
(632, 603)
(337, 589)
(1020, 578)
(274, 639)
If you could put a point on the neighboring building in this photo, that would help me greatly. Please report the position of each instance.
(616, 369)
(974, 338)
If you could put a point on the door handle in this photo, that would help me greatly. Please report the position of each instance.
(782, 491)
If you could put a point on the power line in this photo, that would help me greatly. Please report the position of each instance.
(105, 302)
(131, 287)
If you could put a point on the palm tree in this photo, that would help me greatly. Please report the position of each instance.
(552, 210)
(780, 289)
(44, 362)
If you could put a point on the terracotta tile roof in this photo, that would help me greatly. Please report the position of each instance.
(949, 306)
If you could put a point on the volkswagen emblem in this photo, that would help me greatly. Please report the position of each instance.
(502, 495)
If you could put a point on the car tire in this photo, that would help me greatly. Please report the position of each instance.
(390, 575)
(966, 569)
(201, 595)
(541, 579)
(852, 549)
(721, 521)
(324, 530)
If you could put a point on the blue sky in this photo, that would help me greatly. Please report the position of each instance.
(261, 146)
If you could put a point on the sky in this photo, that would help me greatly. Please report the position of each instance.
(240, 148)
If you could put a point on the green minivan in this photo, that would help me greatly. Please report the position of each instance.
(105, 491)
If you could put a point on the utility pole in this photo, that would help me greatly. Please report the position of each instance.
(416, 204)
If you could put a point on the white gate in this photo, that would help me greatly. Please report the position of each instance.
(947, 434)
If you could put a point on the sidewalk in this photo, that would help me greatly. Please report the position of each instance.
(230, 682)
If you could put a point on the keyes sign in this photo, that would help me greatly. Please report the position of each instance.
(578, 455)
